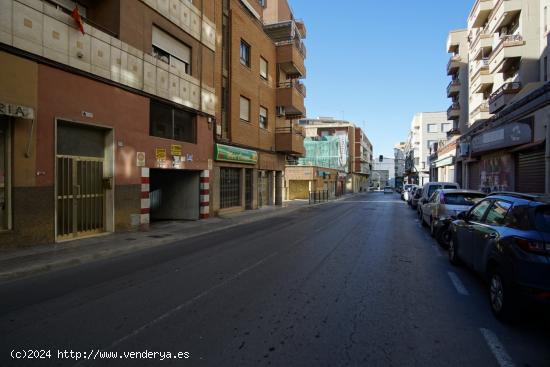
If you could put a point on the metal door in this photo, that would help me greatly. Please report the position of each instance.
(80, 197)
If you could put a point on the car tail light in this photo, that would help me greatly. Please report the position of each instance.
(534, 247)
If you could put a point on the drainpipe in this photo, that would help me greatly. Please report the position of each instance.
(547, 155)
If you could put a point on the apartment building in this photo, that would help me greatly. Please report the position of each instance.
(503, 148)
(353, 155)
(399, 157)
(106, 115)
(458, 88)
(261, 98)
(383, 173)
(428, 129)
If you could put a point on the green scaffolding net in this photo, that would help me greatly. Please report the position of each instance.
(326, 152)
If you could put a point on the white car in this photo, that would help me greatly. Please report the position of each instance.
(428, 190)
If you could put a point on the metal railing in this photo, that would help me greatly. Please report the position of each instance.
(297, 43)
(512, 87)
(289, 130)
(320, 196)
(300, 87)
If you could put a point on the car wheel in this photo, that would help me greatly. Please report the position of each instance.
(501, 297)
(443, 237)
(453, 258)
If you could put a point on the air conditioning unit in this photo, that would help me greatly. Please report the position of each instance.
(281, 111)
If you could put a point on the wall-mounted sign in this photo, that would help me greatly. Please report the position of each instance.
(226, 153)
(505, 136)
(140, 159)
(175, 150)
(14, 110)
(160, 154)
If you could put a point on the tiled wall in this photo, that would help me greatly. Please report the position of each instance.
(41, 29)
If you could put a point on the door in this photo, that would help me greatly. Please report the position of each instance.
(4, 174)
(485, 235)
(80, 197)
(474, 222)
(248, 189)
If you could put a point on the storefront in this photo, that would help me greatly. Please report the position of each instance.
(301, 180)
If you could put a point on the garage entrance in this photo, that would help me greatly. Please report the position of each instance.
(174, 194)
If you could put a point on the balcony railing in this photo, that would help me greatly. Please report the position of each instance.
(300, 87)
(297, 43)
(507, 88)
(479, 65)
(453, 84)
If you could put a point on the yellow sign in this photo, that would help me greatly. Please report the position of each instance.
(160, 154)
(176, 150)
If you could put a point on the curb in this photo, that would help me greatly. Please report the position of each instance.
(48, 266)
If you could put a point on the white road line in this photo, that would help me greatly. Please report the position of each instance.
(189, 302)
(460, 288)
(502, 357)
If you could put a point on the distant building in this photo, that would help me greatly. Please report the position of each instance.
(383, 172)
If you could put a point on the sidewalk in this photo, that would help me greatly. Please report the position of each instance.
(20, 263)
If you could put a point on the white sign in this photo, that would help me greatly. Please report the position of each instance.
(16, 110)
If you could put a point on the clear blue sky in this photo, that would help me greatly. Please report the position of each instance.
(378, 62)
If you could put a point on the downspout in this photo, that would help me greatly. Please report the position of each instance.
(547, 156)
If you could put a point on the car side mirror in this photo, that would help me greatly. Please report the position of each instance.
(462, 216)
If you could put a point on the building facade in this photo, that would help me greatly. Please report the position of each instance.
(105, 124)
(384, 172)
(261, 97)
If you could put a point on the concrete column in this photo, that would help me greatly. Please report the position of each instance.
(278, 188)
(254, 189)
(215, 190)
(243, 187)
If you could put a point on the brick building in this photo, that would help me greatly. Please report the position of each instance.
(108, 128)
(261, 97)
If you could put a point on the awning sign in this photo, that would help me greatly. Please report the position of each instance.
(14, 110)
(505, 136)
(226, 153)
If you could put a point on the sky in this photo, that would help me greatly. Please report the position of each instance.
(377, 63)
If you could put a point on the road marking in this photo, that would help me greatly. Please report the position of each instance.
(460, 288)
(502, 357)
(189, 302)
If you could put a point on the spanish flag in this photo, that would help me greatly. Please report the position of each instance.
(78, 19)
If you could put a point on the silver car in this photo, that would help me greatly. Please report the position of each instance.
(445, 204)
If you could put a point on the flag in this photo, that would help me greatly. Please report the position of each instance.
(78, 19)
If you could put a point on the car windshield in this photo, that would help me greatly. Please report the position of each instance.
(466, 199)
(542, 218)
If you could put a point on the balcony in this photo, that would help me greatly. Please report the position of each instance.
(503, 13)
(482, 46)
(290, 57)
(453, 88)
(480, 13)
(454, 64)
(285, 30)
(481, 112)
(499, 99)
(454, 40)
(479, 67)
(290, 96)
(482, 82)
(453, 113)
(290, 140)
(509, 47)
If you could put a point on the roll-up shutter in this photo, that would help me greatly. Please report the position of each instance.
(530, 172)
(473, 176)
(171, 45)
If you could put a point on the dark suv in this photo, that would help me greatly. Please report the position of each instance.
(506, 238)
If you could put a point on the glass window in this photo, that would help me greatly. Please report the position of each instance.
(432, 128)
(245, 53)
(263, 68)
(171, 51)
(463, 199)
(263, 117)
(172, 123)
(542, 218)
(497, 214)
(245, 109)
(479, 210)
(230, 187)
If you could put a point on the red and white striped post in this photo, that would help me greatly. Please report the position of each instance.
(145, 200)
(205, 195)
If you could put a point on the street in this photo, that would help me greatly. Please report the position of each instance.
(351, 283)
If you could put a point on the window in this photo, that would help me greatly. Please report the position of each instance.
(172, 123)
(245, 53)
(478, 211)
(245, 109)
(446, 127)
(263, 117)
(262, 3)
(497, 213)
(432, 128)
(69, 5)
(263, 68)
(171, 51)
(230, 187)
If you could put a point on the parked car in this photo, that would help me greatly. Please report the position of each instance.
(428, 190)
(506, 238)
(416, 198)
(444, 205)
(410, 194)
(388, 190)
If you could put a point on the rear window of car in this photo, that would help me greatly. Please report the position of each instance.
(542, 218)
(463, 199)
(450, 187)
(432, 188)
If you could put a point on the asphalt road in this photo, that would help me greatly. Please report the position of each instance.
(352, 283)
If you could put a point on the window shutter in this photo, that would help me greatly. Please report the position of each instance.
(171, 45)
(245, 109)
